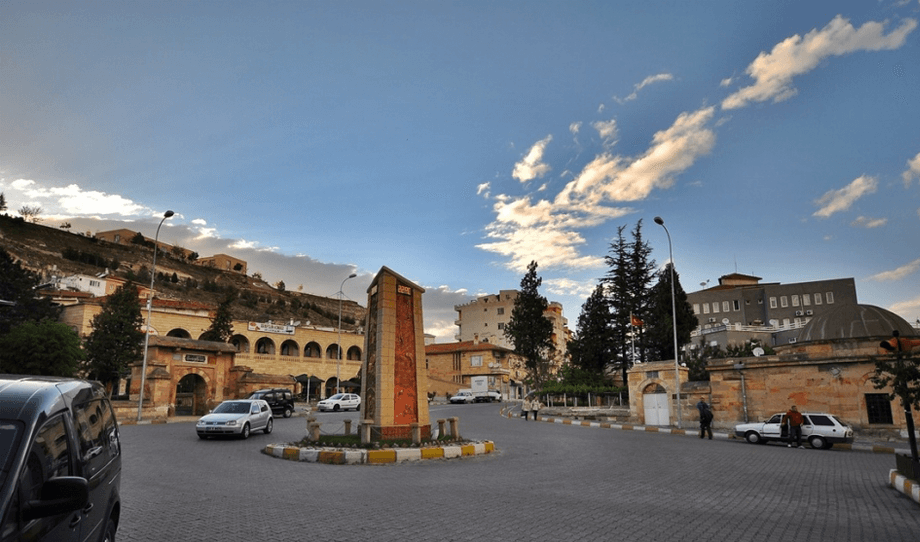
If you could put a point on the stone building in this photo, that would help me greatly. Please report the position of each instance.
(452, 365)
(828, 368)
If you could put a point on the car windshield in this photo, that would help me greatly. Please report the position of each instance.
(232, 407)
(257, 395)
(10, 432)
(336, 397)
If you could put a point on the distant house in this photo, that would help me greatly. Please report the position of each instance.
(224, 263)
(452, 365)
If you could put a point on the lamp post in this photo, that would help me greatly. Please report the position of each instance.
(338, 367)
(153, 274)
(660, 222)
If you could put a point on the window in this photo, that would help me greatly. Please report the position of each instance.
(817, 299)
(776, 418)
(783, 302)
(772, 302)
(696, 308)
(820, 419)
(715, 306)
(501, 325)
(737, 305)
(98, 437)
(829, 297)
(475, 361)
(879, 408)
(795, 301)
(725, 306)
(806, 299)
(500, 310)
(705, 308)
(651, 374)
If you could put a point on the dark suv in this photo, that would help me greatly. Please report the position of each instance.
(60, 460)
(280, 400)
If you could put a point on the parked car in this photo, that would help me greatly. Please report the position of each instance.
(340, 401)
(495, 395)
(60, 460)
(462, 396)
(280, 400)
(820, 429)
(236, 418)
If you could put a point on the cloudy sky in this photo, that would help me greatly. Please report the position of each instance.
(454, 142)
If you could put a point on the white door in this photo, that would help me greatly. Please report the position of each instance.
(656, 409)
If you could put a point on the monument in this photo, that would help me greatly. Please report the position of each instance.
(394, 381)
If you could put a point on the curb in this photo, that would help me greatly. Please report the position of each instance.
(377, 457)
(905, 485)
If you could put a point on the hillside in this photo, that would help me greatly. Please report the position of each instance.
(42, 249)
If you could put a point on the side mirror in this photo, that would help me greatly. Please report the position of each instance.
(58, 495)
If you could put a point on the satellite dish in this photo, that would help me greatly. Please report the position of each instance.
(758, 351)
(491, 365)
(725, 321)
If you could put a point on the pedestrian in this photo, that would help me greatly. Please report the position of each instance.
(525, 407)
(705, 418)
(535, 406)
(794, 419)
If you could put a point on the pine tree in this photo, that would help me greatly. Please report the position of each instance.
(117, 339)
(17, 286)
(590, 349)
(529, 330)
(659, 328)
(45, 348)
(221, 325)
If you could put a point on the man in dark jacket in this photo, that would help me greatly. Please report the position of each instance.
(705, 418)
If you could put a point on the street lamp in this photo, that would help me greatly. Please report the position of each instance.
(338, 367)
(660, 222)
(153, 274)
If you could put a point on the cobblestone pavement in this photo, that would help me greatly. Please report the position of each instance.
(546, 482)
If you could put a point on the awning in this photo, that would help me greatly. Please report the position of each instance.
(350, 384)
(304, 379)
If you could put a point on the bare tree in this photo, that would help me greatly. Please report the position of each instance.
(31, 213)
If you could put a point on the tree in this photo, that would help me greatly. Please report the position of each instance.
(903, 376)
(45, 348)
(660, 317)
(280, 285)
(2, 202)
(31, 214)
(590, 350)
(221, 325)
(116, 340)
(17, 286)
(529, 330)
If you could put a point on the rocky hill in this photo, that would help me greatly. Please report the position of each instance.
(52, 252)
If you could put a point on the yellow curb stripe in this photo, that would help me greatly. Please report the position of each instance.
(468, 450)
(290, 453)
(490, 447)
(432, 453)
(381, 456)
(332, 458)
(651, 429)
(882, 450)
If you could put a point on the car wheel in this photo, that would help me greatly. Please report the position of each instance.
(110, 529)
(753, 437)
(335, 408)
(287, 412)
(818, 442)
(245, 433)
(269, 426)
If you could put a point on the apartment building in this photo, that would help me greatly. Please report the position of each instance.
(741, 308)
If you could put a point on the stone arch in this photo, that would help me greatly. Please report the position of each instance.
(179, 332)
(191, 397)
(353, 354)
(265, 346)
(241, 343)
(312, 350)
(332, 351)
(329, 386)
(290, 348)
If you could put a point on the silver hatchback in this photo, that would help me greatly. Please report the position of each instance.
(236, 418)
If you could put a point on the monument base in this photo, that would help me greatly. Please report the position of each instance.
(398, 432)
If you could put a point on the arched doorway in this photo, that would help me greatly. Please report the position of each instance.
(191, 396)
(655, 400)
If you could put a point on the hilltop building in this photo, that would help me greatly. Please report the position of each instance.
(741, 308)
(217, 261)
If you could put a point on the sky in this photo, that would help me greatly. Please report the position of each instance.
(455, 142)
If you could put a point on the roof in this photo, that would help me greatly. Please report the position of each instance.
(465, 346)
(852, 321)
(166, 341)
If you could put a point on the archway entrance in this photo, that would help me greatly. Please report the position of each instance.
(191, 396)
(655, 400)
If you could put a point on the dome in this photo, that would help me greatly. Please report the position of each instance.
(854, 321)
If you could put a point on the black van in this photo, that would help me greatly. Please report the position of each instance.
(280, 400)
(60, 460)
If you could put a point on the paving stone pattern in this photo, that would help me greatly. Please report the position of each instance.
(545, 482)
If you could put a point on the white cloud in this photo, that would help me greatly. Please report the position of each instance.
(913, 170)
(645, 82)
(607, 130)
(773, 72)
(532, 166)
(840, 200)
(199, 222)
(71, 200)
(548, 230)
(483, 189)
(899, 273)
(869, 223)
(907, 306)
(575, 127)
(566, 286)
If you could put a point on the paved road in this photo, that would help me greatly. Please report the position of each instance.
(547, 482)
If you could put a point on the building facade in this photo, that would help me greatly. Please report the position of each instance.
(741, 308)
(452, 365)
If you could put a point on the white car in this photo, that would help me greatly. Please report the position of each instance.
(340, 401)
(236, 418)
(820, 429)
(462, 397)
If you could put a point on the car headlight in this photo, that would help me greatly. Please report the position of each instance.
(231, 422)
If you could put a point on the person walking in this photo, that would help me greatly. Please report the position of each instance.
(535, 406)
(705, 418)
(525, 407)
(795, 420)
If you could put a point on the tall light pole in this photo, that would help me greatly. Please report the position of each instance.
(660, 222)
(153, 274)
(338, 367)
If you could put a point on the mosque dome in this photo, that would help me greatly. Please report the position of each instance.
(853, 321)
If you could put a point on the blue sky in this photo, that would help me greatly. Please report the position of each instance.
(454, 142)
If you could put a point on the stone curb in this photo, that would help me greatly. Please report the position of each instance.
(905, 485)
(377, 457)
